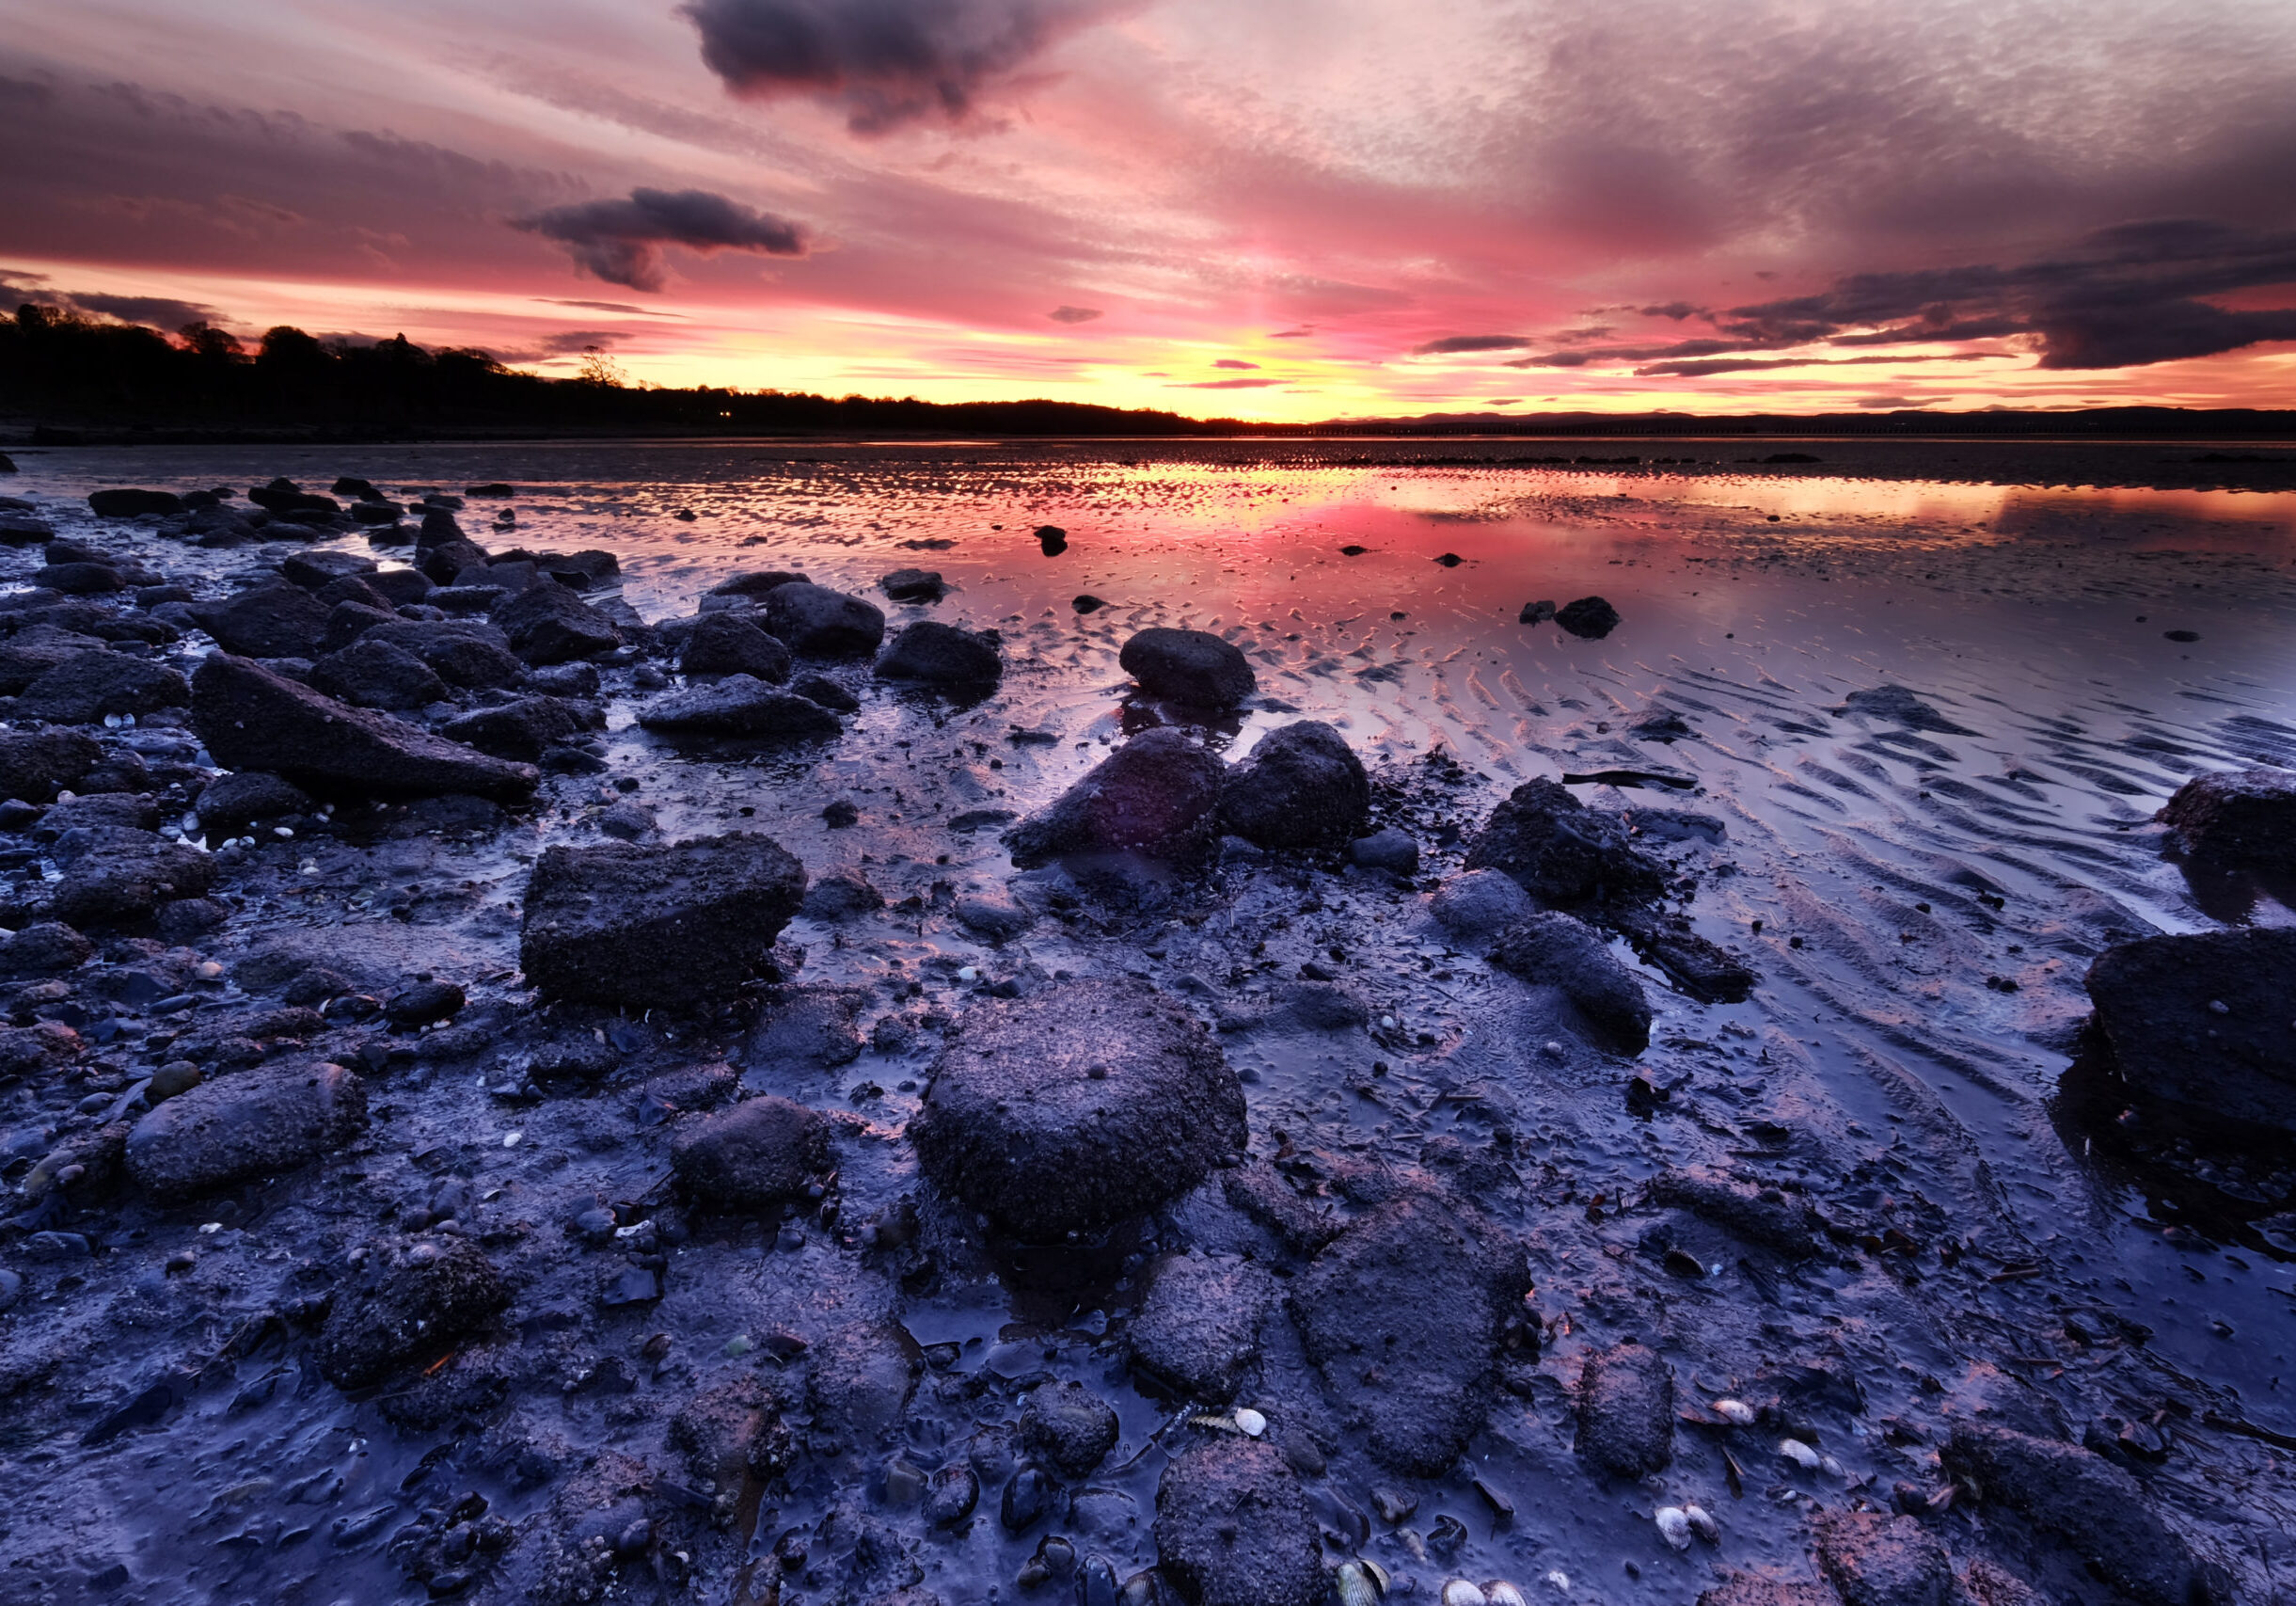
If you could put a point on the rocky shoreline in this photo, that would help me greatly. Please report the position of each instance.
(455, 1181)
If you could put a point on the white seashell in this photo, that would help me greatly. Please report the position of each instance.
(1737, 1412)
(1702, 1524)
(1674, 1526)
(1832, 1469)
(1459, 1592)
(1559, 1579)
(281, 832)
(1799, 1454)
(1386, 1023)
(1250, 1423)
(510, 1139)
(1500, 1593)
(969, 972)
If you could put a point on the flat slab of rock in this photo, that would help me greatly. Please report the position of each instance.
(409, 1299)
(1194, 667)
(2237, 817)
(251, 719)
(248, 1124)
(1302, 787)
(1233, 1528)
(1198, 1330)
(739, 705)
(1626, 1412)
(1557, 950)
(1157, 795)
(1086, 1104)
(2202, 1022)
(657, 924)
(1562, 852)
(759, 1153)
(1404, 1314)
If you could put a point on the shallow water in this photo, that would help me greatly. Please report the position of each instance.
(1901, 878)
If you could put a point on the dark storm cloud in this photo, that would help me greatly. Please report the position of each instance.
(159, 311)
(621, 241)
(885, 62)
(1470, 342)
(1073, 315)
(1701, 369)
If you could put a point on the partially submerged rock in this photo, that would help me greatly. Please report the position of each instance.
(1193, 667)
(935, 654)
(408, 1298)
(1626, 1412)
(817, 622)
(115, 874)
(253, 1123)
(1480, 903)
(36, 764)
(1157, 795)
(1197, 1328)
(729, 643)
(739, 705)
(86, 687)
(1233, 1528)
(548, 624)
(2237, 817)
(1555, 950)
(280, 620)
(757, 1154)
(1875, 1560)
(1302, 787)
(1069, 1426)
(1562, 852)
(2201, 1022)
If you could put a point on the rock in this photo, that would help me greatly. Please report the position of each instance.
(411, 1297)
(817, 622)
(1562, 852)
(733, 1429)
(232, 803)
(524, 728)
(114, 874)
(1480, 903)
(248, 1124)
(1197, 1328)
(1536, 613)
(1589, 618)
(372, 673)
(1068, 1425)
(941, 655)
(841, 897)
(548, 624)
(424, 1003)
(251, 719)
(1626, 1412)
(460, 653)
(1704, 970)
(269, 621)
(1759, 1589)
(349, 618)
(19, 528)
(123, 502)
(88, 685)
(727, 644)
(757, 1154)
(1157, 795)
(400, 588)
(95, 809)
(626, 821)
(1052, 539)
(1875, 1560)
(1556, 950)
(1302, 787)
(755, 582)
(1900, 705)
(2200, 1022)
(283, 496)
(1086, 1104)
(1387, 849)
(1233, 1528)
(993, 915)
(821, 690)
(316, 567)
(80, 579)
(809, 1026)
(45, 948)
(863, 1375)
(1760, 1214)
(1194, 667)
(1403, 1313)
(739, 705)
(2099, 1511)
(656, 925)
(29, 653)
(915, 586)
(2236, 817)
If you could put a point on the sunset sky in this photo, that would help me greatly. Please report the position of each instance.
(1278, 209)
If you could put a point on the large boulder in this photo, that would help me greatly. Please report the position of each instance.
(1626, 1412)
(1234, 1527)
(36, 764)
(248, 1124)
(1404, 1314)
(460, 652)
(755, 1155)
(2201, 1022)
(279, 620)
(122, 501)
(817, 622)
(86, 687)
(29, 653)
(657, 924)
(942, 655)
(1157, 795)
(1086, 1104)
(371, 673)
(1559, 951)
(115, 874)
(522, 729)
(2237, 817)
(1197, 1328)
(1562, 852)
(739, 705)
(1194, 667)
(251, 719)
(408, 1298)
(1480, 903)
(728, 643)
(1302, 787)
(546, 624)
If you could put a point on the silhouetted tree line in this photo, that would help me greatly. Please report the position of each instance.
(65, 371)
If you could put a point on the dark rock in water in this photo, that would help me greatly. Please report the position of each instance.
(757, 1154)
(817, 622)
(1387, 849)
(1626, 1412)
(1068, 1425)
(251, 719)
(1302, 787)
(863, 1375)
(739, 705)
(2237, 817)
(1557, 950)
(1589, 618)
(29, 653)
(993, 915)
(113, 874)
(351, 485)
(841, 897)
(915, 586)
(1404, 1315)
(1704, 970)
(727, 644)
(649, 925)
(2200, 1022)
(1234, 1527)
(283, 496)
(1884, 1561)
(123, 502)
(460, 653)
(232, 803)
(1195, 667)
(22, 530)
(2099, 1511)
(252, 1123)
(1562, 852)
(626, 821)
(371, 673)
(822, 690)
(80, 579)
(809, 1026)
(951, 1495)
(548, 624)
(89, 684)
(1535, 613)
(1053, 539)
(270, 621)
(941, 655)
(98, 809)
(732, 1429)
(409, 1298)
(1088, 603)
(400, 588)
(524, 728)
(1157, 795)
(1480, 903)
(1661, 724)
(1090, 1102)
(1901, 707)
(1198, 1330)
(755, 582)
(1756, 1212)
(315, 568)
(424, 1003)
(45, 948)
